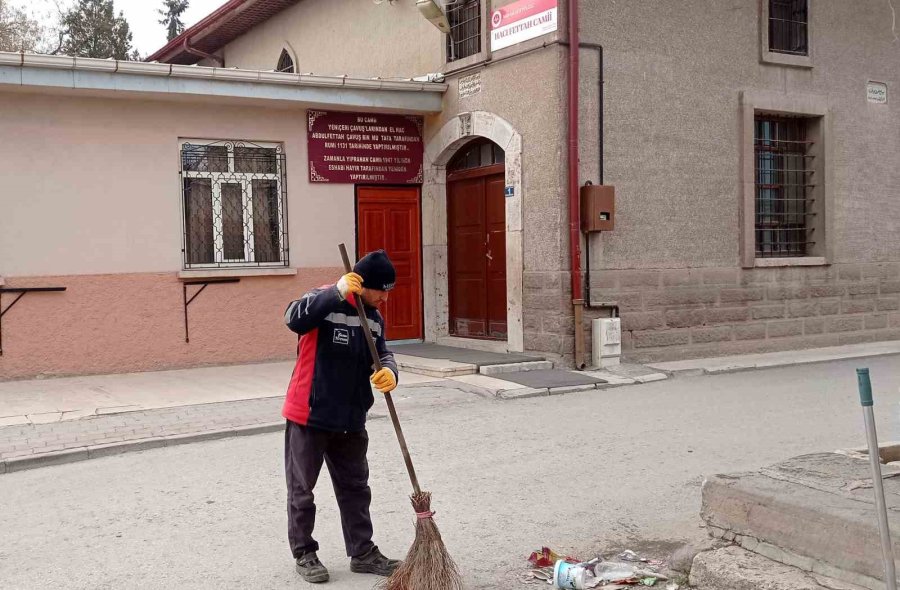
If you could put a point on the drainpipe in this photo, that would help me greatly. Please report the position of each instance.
(187, 47)
(574, 208)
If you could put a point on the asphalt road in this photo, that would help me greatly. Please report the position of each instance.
(582, 473)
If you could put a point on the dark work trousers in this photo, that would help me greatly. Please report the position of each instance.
(345, 454)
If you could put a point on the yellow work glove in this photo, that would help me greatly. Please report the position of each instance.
(350, 283)
(384, 380)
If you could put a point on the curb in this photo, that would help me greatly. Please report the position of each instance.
(813, 356)
(128, 446)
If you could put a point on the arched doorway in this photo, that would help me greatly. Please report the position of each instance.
(455, 135)
(476, 241)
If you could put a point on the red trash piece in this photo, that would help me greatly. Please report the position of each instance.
(547, 557)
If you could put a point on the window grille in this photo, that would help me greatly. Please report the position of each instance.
(464, 39)
(285, 62)
(784, 186)
(475, 154)
(235, 210)
(788, 26)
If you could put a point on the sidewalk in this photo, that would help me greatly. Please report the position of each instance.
(52, 421)
(42, 401)
(78, 418)
(28, 446)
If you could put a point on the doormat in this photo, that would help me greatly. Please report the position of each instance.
(549, 378)
(462, 355)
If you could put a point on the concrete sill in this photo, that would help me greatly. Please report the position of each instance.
(221, 273)
(452, 67)
(786, 59)
(804, 261)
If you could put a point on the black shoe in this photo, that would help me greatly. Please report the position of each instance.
(373, 562)
(311, 569)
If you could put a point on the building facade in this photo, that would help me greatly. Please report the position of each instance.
(752, 148)
(172, 203)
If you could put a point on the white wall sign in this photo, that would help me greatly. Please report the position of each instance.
(469, 85)
(521, 21)
(876, 92)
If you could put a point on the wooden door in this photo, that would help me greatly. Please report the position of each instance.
(476, 236)
(389, 218)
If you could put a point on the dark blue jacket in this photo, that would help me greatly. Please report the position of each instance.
(330, 387)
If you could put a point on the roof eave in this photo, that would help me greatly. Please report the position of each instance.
(139, 78)
(217, 17)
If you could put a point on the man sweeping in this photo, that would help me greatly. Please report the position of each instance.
(325, 407)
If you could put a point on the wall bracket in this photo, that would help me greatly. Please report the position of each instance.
(21, 291)
(205, 283)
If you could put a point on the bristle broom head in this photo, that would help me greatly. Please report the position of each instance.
(427, 566)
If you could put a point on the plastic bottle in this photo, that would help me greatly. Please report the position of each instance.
(614, 571)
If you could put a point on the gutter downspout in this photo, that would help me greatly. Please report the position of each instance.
(574, 208)
(614, 309)
(187, 47)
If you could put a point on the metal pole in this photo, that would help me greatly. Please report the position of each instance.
(865, 399)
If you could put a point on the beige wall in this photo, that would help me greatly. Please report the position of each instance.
(674, 77)
(91, 201)
(91, 185)
(525, 92)
(343, 37)
(674, 74)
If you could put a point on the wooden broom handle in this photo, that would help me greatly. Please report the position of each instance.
(364, 322)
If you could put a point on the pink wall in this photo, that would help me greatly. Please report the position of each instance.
(116, 323)
(91, 185)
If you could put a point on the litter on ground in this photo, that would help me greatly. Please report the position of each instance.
(628, 570)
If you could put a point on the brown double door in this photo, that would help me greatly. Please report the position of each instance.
(389, 218)
(476, 240)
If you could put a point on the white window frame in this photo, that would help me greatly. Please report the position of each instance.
(246, 182)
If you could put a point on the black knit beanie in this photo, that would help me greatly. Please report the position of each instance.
(376, 270)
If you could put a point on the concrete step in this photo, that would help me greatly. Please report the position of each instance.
(815, 512)
(733, 568)
(493, 370)
(436, 360)
(433, 367)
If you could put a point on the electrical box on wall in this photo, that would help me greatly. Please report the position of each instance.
(598, 207)
(606, 341)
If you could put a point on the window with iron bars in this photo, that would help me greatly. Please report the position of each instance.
(788, 24)
(235, 211)
(285, 62)
(464, 39)
(784, 186)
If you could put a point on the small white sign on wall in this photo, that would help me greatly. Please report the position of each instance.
(876, 92)
(470, 85)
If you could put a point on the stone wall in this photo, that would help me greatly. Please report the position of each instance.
(674, 148)
(548, 320)
(683, 313)
(690, 313)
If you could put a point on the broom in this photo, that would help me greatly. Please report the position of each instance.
(427, 566)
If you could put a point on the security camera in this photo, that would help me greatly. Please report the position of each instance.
(431, 10)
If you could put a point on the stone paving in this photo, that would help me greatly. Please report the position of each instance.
(22, 446)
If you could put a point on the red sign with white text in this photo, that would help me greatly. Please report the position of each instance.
(521, 21)
(364, 148)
